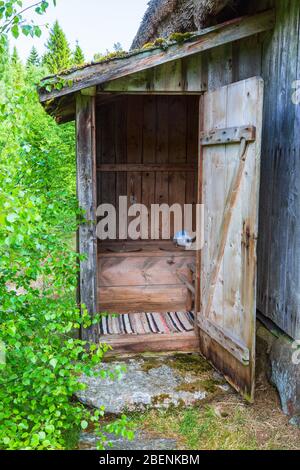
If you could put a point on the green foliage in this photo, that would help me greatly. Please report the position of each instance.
(78, 56)
(58, 56)
(39, 318)
(33, 59)
(13, 20)
(15, 56)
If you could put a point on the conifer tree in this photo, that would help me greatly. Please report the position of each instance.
(78, 56)
(58, 56)
(15, 59)
(33, 59)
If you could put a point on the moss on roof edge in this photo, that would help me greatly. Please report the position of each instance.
(158, 44)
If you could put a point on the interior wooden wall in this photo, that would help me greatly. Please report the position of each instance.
(148, 130)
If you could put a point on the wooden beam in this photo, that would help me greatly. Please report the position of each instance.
(231, 135)
(225, 339)
(100, 73)
(92, 91)
(184, 76)
(135, 167)
(126, 344)
(86, 192)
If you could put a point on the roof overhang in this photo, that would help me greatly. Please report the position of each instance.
(57, 92)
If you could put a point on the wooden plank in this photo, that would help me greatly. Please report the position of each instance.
(200, 192)
(107, 149)
(247, 57)
(121, 155)
(219, 66)
(149, 157)
(140, 271)
(126, 344)
(155, 254)
(217, 258)
(230, 197)
(193, 67)
(223, 337)
(86, 192)
(169, 78)
(232, 309)
(146, 167)
(163, 248)
(135, 299)
(209, 38)
(177, 154)
(135, 118)
(162, 155)
(186, 282)
(279, 259)
(214, 170)
(231, 135)
(192, 155)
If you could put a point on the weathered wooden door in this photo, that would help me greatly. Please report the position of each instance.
(230, 142)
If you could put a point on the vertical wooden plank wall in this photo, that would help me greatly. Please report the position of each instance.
(86, 192)
(148, 130)
(279, 241)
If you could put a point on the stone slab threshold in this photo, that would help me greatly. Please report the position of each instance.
(141, 383)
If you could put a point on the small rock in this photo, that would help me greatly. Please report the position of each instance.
(225, 387)
(141, 442)
(286, 377)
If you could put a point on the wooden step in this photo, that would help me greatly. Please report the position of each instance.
(122, 344)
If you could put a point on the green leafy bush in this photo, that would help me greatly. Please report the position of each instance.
(39, 318)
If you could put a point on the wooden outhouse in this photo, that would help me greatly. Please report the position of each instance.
(178, 122)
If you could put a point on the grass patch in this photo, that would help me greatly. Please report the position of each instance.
(200, 428)
(226, 423)
(209, 431)
(72, 438)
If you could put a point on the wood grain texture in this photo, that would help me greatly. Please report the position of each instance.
(231, 135)
(146, 168)
(183, 76)
(147, 150)
(185, 342)
(225, 338)
(142, 270)
(279, 248)
(86, 192)
(228, 260)
(135, 299)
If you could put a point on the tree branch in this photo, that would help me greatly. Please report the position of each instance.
(18, 14)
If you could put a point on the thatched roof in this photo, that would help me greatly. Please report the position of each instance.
(164, 17)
